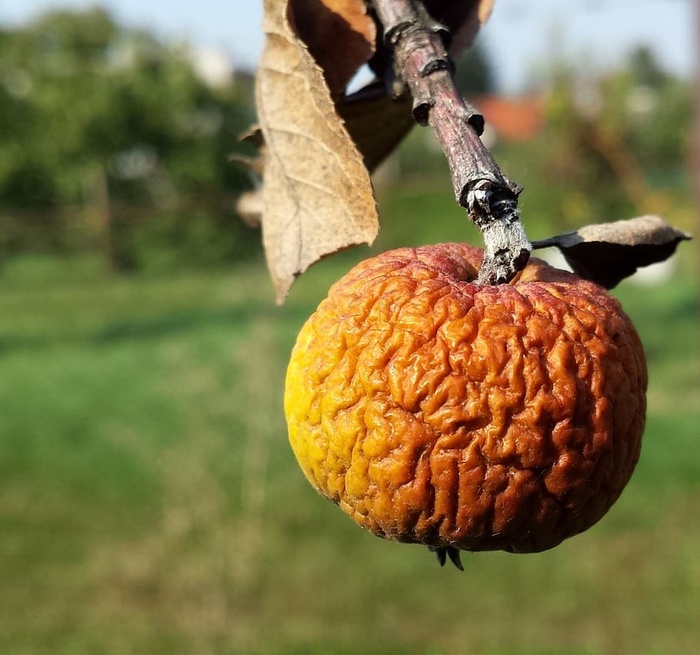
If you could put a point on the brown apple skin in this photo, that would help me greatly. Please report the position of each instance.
(438, 411)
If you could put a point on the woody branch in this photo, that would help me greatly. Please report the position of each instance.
(491, 200)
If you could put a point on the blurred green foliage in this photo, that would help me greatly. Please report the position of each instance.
(618, 145)
(106, 130)
(473, 74)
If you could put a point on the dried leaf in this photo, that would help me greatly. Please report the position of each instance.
(607, 253)
(463, 19)
(249, 205)
(254, 165)
(377, 123)
(250, 208)
(317, 194)
(339, 34)
(252, 135)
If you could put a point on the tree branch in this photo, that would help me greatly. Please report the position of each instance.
(491, 200)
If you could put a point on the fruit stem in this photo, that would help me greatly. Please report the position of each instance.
(417, 42)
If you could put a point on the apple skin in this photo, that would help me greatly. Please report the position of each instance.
(439, 411)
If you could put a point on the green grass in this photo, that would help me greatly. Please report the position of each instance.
(149, 502)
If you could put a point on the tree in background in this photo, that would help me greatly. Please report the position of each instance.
(474, 72)
(627, 131)
(118, 123)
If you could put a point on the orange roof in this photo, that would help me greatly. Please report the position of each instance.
(513, 119)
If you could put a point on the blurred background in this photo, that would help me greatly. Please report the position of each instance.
(149, 502)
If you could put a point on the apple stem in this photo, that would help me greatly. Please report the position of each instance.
(417, 42)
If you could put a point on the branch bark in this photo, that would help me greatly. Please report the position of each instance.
(491, 200)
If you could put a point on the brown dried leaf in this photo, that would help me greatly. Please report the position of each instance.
(464, 36)
(250, 208)
(607, 253)
(317, 194)
(339, 34)
(376, 122)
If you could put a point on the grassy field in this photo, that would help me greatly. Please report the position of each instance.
(149, 502)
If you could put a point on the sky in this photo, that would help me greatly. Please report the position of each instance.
(521, 36)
